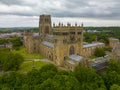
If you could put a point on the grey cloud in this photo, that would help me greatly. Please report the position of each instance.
(11, 2)
(17, 2)
(104, 10)
(75, 3)
(101, 9)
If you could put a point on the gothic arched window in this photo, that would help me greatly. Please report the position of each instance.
(71, 50)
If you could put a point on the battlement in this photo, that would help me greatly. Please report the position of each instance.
(44, 15)
(66, 26)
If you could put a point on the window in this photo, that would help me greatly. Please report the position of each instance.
(72, 38)
(46, 20)
(71, 50)
(72, 32)
(56, 33)
(65, 33)
(79, 33)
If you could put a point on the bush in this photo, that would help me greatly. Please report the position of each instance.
(99, 52)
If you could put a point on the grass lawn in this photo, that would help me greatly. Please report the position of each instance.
(26, 55)
(28, 66)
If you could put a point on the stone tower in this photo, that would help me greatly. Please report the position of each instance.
(68, 41)
(59, 51)
(44, 25)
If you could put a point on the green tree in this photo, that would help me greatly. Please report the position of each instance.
(67, 82)
(33, 77)
(16, 41)
(47, 71)
(63, 80)
(99, 52)
(48, 84)
(115, 87)
(88, 78)
(114, 66)
(111, 78)
(10, 61)
(39, 76)
(90, 37)
(112, 75)
(3, 41)
(12, 80)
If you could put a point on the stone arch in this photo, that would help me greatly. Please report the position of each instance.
(71, 50)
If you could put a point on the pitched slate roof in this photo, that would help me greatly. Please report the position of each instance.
(49, 44)
(76, 57)
(50, 36)
(92, 45)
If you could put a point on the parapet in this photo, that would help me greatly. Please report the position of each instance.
(66, 26)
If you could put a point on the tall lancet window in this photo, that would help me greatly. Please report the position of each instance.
(72, 50)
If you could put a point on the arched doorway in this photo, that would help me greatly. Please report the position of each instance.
(71, 50)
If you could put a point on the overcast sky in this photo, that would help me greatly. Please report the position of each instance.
(25, 13)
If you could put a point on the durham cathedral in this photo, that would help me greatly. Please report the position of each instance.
(62, 44)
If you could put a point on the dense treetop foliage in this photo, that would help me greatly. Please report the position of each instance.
(51, 78)
(115, 87)
(10, 61)
(112, 75)
(99, 52)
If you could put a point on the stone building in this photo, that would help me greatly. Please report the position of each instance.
(115, 45)
(100, 63)
(63, 44)
(114, 42)
(31, 42)
(88, 49)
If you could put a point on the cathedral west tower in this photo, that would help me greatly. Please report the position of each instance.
(44, 25)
